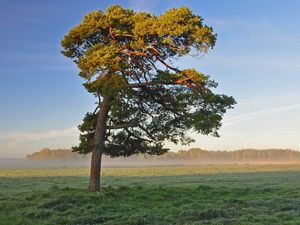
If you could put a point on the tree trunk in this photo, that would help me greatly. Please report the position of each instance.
(99, 144)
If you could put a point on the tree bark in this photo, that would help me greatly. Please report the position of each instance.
(99, 144)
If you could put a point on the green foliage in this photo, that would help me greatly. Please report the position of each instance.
(86, 136)
(125, 55)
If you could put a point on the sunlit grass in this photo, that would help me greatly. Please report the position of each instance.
(148, 171)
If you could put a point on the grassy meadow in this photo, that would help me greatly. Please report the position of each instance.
(223, 194)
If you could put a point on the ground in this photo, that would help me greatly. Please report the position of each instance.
(231, 194)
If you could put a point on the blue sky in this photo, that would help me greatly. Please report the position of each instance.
(256, 59)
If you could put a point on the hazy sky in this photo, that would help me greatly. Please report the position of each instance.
(256, 59)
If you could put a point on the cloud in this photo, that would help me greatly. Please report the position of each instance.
(257, 62)
(14, 139)
(20, 63)
(232, 23)
(31, 56)
(259, 114)
(264, 64)
(142, 5)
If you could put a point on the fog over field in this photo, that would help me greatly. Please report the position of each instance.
(46, 158)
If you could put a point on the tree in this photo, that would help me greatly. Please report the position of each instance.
(125, 58)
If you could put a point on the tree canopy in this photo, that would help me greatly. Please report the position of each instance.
(129, 58)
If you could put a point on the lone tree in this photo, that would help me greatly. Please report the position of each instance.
(143, 98)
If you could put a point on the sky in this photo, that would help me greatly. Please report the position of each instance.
(256, 59)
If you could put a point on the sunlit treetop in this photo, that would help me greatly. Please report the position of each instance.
(127, 56)
(108, 43)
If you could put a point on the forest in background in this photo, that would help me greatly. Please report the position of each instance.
(191, 156)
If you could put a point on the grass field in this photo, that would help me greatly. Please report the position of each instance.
(241, 194)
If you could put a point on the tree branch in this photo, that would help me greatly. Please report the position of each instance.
(137, 137)
(134, 53)
(155, 54)
(143, 84)
(123, 125)
(146, 131)
(111, 34)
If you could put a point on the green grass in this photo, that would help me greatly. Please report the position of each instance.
(153, 195)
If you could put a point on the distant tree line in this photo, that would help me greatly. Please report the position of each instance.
(238, 155)
(56, 154)
(194, 154)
